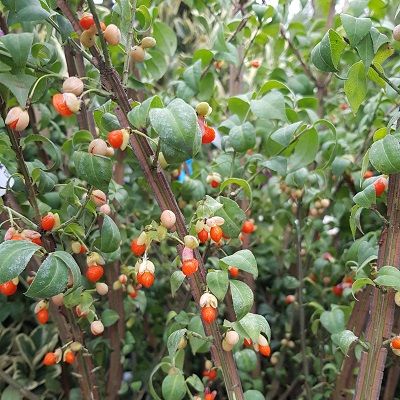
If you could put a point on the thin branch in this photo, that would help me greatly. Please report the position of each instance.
(128, 46)
(387, 80)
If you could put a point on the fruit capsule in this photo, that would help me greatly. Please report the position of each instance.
(17, 119)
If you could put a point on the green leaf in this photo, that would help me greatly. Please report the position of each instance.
(355, 86)
(253, 395)
(250, 326)
(196, 383)
(95, 170)
(50, 279)
(207, 207)
(354, 220)
(14, 257)
(144, 18)
(51, 149)
(19, 46)
(242, 298)
(242, 137)
(166, 38)
(388, 276)
(244, 260)
(138, 117)
(271, 106)
(365, 50)
(233, 215)
(19, 85)
(197, 345)
(109, 317)
(110, 236)
(218, 282)
(378, 39)
(344, 340)
(326, 54)
(366, 197)
(70, 262)
(178, 129)
(174, 387)
(239, 105)
(239, 182)
(384, 155)
(177, 278)
(173, 341)
(360, 283)
(246, 360)
(284, 135)
(356, 28)
(24, 11)
(333, 321)
(156, 66)
(277, 164)
(306, 149)
(11, 393)
(192, 76)
(81, 137)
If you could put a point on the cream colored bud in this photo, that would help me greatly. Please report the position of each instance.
(141, 240)
(41, 305)
(98, 197)
(112, 35)
(208, 299)
(232, 337)
(226, 346)
(168, 219)
(148, 42)
(105, 209)
(97, 328)
(17, 119)
(191, 242)
(75, 346)
(73, 85)
(72, 102)
(101, 288)
(199, 225)
(58, 299)
(98, 147)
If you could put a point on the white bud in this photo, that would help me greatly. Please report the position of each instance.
(199, 225)
(41, 305)
(168, 219)
(262, 341)
(72, 102)
(58, 299)
(232, 337)
(208, 299)
(98, 197)
(17, 119)
(98, 147)
(141, 240)
(73, 85)
(101, 288)
(226, 346)
(105, 209)
(191, 242)
(97, 328)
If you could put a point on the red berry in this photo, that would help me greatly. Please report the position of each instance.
(380, 186)
(247, 342)
(189, 267)
(233, 272)
(69, 358)
(212, 374)
(133, 294)
(206, 372)
(208, 135)
(48, 222)
(37, 241)
(86, 21)
(94, 273)
(255, 63)
(50, 359)
(137, 249)
(395, 343)
(203, 236)
(248, 226)
(265, 350)
(115, 138)
(337, 289)
(214, 184)
(43, 316)
(290, 298)
(209, 314)
(368, 174)
(8, 288)
(146, 279)
(216, 233)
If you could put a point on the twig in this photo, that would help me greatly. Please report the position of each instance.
(129, 41)
(387, 80)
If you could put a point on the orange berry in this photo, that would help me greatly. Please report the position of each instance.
(42, 316)
(368, 174)
(17, 236)
(265, 350)
(203, 236)
(212, 374)
(86, 21)
(8, 288)
(189, 267)
(137, 249)
(209, 314)
(48, 222)
(247, 342)
(115, 138)
(146, 279)
(50, 359)
(216, 233)
(94, 273)
(290, 298)
(395, 343)
(380, 186)
(248, 227)
(233, 272)
(133, 294)
(214, 184)
(60, 105)
(69, 357)
(208, 135)
(255, 63)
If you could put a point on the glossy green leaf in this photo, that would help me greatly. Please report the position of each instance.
(19, 46)
(333, 321)
(52, 150)
(378, 39)
(173, 341)
(19, 85)
(326, 54)
(207, 207)
(110, 236)
(196, 383)
(138, 117)
(178, 130)
(306, 149)
(72, 265)
(144, 18)
(242, 298)
(14, 257)
(239, 105)
(366, 197)
(50, 279)
(253, 395)
(24, 11)
(250, 326)
(95, 170)
(354, 220)
(356, 28)
(344, 340)
(384, 155)
(388, 276)
(197, 345)
(284, 135)
(233, 215)
(156, 66)
(218, 282)
(241, 183)
(246, 360)
(355, 86)
(242, 137)
(277, 164)
(244, 260)
(365, 50)
(360, 284)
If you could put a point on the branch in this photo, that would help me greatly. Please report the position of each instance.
(128, 46)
